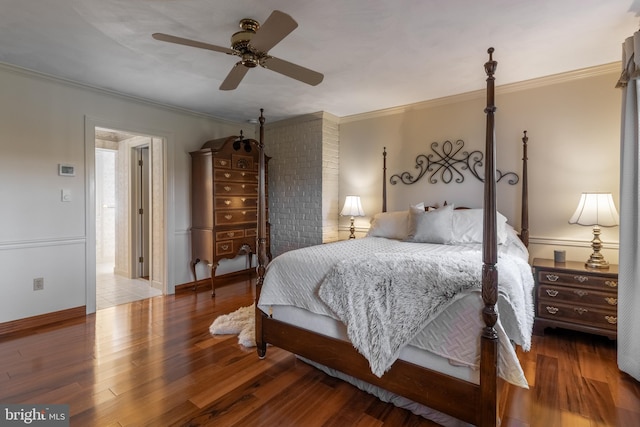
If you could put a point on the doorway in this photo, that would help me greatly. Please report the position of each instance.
(129, 217)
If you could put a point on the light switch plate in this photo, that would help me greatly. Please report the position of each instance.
(66, 195)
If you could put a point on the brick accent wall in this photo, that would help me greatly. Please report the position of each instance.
(303, 181)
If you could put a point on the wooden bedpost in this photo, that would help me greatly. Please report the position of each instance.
(524, 219)
(489, 339)
(384, 179)
(262, 239)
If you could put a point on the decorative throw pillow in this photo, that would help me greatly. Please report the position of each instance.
(392, 225)
(433, 226)
(468, 226)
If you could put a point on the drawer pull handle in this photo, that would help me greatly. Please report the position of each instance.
(611, 283)
(552, 292)
(227, 188)
(580, 310)
(231, 234)
(243, 200)
(552, 277)
(227, 202)
(243, 174)
(611, 300)
(552, 310)
(223, 162)
(580, 292)
(581, 279)
(227, 175)
(611, 319)
(228, 216)
(244, 212)
(224, 247)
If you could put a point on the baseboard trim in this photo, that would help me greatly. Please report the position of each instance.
(225, 279)
(41, 320)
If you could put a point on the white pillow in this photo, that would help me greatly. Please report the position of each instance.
(392, 225)
(433, 226)
(468, 226)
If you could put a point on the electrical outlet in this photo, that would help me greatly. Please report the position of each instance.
(38, 283)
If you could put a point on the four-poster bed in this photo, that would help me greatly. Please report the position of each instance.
(467, 394)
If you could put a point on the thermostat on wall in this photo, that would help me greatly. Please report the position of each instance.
(66, 170)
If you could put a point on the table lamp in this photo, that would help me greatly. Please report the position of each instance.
(352, 207)
(597, 210)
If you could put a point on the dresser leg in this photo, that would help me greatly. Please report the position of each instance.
(538, 329)
(193, 271)
(214, 267)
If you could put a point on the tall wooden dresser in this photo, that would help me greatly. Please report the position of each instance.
(224, 202)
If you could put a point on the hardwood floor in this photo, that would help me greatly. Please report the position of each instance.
(153, 362)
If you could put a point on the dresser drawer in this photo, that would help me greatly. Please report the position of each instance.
(236, 202)
(230, 234)
(235, 175)
(583, 315)
(232, 247)
(577, 279)
(224, 247)
(579, 296)
(231, 217)
(235, 188)
(240, 161)
(221, 162)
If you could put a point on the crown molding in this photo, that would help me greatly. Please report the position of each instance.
(132, 98)
(476, 94)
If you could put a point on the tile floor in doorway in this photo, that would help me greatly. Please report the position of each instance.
(113, 290)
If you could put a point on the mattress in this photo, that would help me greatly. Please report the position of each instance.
(451, 341)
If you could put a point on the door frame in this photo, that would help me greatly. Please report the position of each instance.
(168, 210)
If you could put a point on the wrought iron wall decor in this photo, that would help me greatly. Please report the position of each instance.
(448, 163)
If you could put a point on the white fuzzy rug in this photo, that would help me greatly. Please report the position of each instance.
(241, 322)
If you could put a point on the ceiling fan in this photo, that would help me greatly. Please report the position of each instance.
(252, 45)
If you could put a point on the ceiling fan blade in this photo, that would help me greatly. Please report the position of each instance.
(277, 26)
(193, 43)
(234, 77)
(294, 71)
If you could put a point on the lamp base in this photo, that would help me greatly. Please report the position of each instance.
(352, 229)
(596, 260)
(600, 264)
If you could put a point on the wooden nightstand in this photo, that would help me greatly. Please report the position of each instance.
(572, 296)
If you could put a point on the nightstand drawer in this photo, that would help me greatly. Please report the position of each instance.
(580, 296)
(578, 279)
(583, 315)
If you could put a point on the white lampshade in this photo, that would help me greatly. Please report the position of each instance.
(596, 209)
(352, 207)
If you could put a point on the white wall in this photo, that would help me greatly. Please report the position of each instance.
(573, 124)
(42, 124)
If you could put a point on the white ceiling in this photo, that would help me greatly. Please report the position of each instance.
(374, 54)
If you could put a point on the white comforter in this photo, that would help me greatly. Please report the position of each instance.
(294, 278)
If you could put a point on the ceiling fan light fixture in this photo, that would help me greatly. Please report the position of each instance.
(240, 40)
(249, 60)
